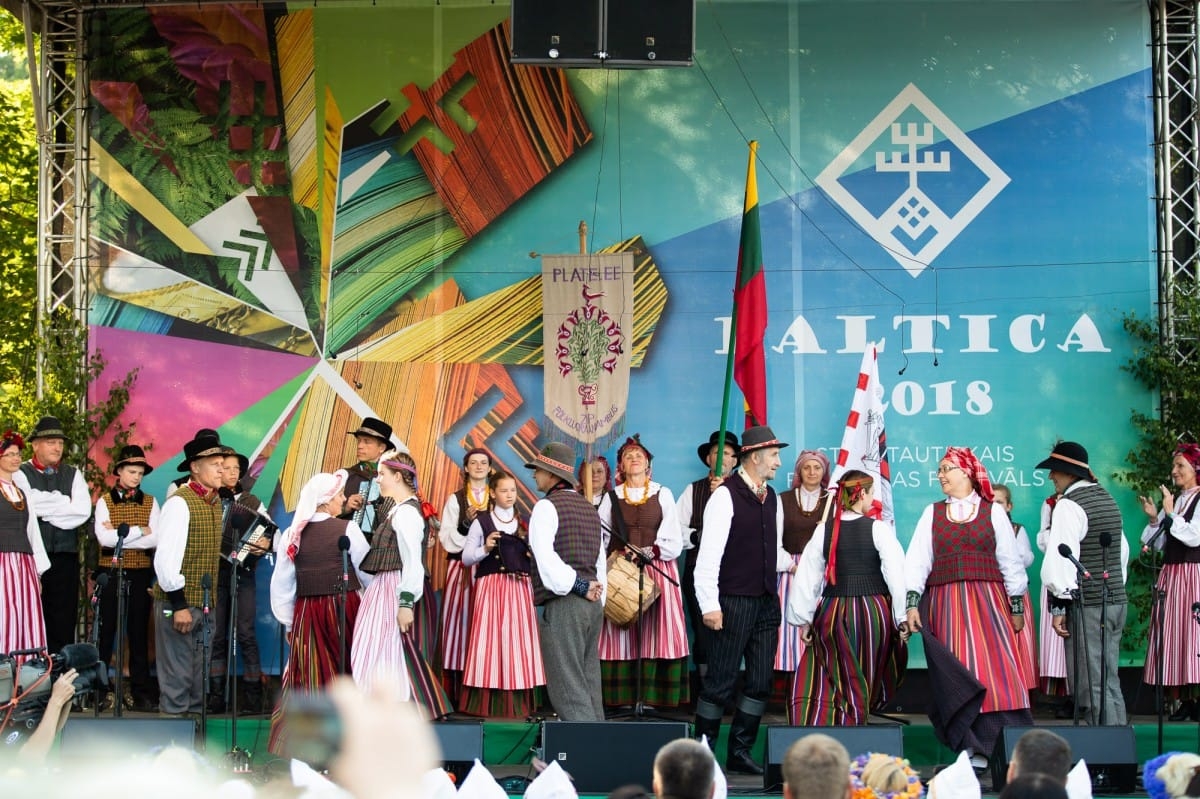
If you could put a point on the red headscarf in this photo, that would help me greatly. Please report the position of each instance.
(1191, 453)
(965, 459)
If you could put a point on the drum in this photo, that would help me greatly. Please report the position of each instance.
(621, 605)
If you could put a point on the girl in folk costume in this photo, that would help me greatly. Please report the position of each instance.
(504, 656)
(601, 473)
(384, 647)
(1026, 643)
(644, 514)
(965, 590)
(847, 603)
(805, 508)
(1176, 639)
(458, 515)
(22, 558)
(306, 592)
(1052, 652)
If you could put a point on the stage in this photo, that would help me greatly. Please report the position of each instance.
(507, 747)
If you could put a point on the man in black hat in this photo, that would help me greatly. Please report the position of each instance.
(568, 582)
(185, 562)
(125, 504)
(60, 499)
(1087, 522)
(690, 507)
(736, 588)
(372, 438)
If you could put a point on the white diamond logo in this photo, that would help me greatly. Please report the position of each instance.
(933, 180)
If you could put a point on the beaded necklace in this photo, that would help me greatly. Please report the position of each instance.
(645, 495)
(9, 489)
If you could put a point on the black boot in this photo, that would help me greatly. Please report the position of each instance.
(216, 695)
(709, 727)
(743, 732)
(1185, 712)
(252, 693)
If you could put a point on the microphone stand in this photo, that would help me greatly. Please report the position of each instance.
(342, 588)
(206, 651)
(238, 758)
(1104, 624)
(640, 710)
(118, 561)
(101, 584)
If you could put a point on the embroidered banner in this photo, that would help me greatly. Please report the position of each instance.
(587, 316)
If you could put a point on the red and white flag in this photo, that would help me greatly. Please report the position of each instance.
(864, 442)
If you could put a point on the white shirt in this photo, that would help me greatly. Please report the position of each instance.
(918, 560)
(62, 511)
(172, 532)
(409, 525)
(668, 539)
(1069, 525)
(1024, 548)
(809, 583)
(1187, 532)
(139, 537)
(683, 511)
(718, 516)
(556, 575)
(283, 579)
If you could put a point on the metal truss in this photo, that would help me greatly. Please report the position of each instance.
(1176, 74)
(60, 97)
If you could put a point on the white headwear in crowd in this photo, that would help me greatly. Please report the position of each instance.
(956, 781)
(320, 488)
(1079, 782)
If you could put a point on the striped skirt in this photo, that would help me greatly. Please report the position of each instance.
(854, 664)
(971, 620)
(313, 658)
(1027, 649)
(22, 625)
(381, 652)
(1180, 635)
(790, 648)
(1052, 654)
(504, 651)
(661, 632)
(456, 615)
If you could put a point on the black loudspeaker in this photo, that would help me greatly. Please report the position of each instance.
(1110, 752)
(596, 33)
(651, 34)
(563, 33)
(461, 744)
(887, 738)
(603, 755)
(100, 738)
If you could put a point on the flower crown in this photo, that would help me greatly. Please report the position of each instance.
(913, 789)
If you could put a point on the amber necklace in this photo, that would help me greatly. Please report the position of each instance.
(483, 501)
(9, 490)
(645, 495)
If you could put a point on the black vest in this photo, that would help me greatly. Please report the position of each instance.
(1174, 550)
(858, 568)
(14, 535)
(510, 556)
(748, 563)
(56, 539)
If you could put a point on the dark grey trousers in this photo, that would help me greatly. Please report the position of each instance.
(569, 628)
(179, 658)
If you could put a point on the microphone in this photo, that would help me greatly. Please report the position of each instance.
(1106, 539)
(101, 582)
(1163, 527)
(225, 493)
(1196, 609)
(1065, 551)
(344, 548)
(206, 585)
(122, 531)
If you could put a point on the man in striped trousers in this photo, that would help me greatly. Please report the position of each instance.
(740, 554)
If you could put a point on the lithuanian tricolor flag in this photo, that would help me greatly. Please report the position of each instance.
(750, 308)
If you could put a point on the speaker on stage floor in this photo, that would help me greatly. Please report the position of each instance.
(1110, 752)
(96, 738)
(886, 738)
(603, 755)
(461, 743)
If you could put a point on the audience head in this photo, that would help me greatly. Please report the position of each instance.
(683, 769)
(881, 776)
(1174, 775)
(1034, 786)
(1041, 752)
(816, 767)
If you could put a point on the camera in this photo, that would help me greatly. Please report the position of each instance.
(27, 677)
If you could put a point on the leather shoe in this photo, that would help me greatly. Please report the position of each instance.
(742, 763)
(1187, 711)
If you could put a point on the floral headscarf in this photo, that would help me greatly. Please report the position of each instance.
(965, 459)
(811, 455)
(1191, 453)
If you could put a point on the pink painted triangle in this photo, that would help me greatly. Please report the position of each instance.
(184, 384)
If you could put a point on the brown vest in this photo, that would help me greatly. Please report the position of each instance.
(385, 549)
(135, 513)
(799, 524)
(319, 561)
(14, 532)
(641, 522)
